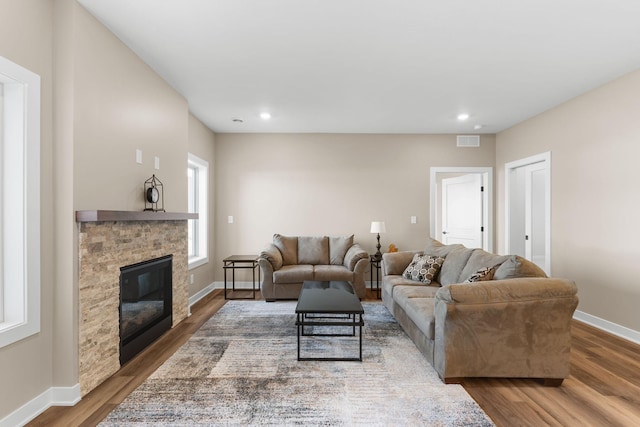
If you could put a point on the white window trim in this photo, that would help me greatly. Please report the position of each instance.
(203, 188)
(20, 206)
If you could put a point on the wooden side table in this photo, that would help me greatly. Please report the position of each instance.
(234, 262)
(375, 265)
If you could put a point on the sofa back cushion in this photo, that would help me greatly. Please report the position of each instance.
(454, 263)
(516, 266)
(288, 247)
(478, 260)
(313, 250)
(338, 247)
(437, 248)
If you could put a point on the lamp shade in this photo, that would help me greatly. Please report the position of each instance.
(378, 227)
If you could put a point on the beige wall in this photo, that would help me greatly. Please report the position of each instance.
(121, 105)
(594, 141)
(202, 144)
(323, 184)
(25, 38)
(99, 103)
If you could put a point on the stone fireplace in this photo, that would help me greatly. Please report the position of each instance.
(109, 240)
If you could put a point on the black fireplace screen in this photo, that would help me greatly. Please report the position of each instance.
(145, 304)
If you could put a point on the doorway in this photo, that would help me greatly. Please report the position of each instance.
(461, 206)
(528, 209)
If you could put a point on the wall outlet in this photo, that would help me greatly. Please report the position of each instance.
(139, 156)
(414, 219)
(157, 163)
(230, 219)
(191, 279)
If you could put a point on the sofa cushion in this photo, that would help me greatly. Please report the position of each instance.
(338, 247)
(419, 305)
(480, 259)
(293, 274)
(516, 266)
(389, 283)
(454, 263)
(354, 254)
(482, 275)
(272, 254)
(313, 250)
(423, 268)
(325, 273)
(437, 248)
(288, 247)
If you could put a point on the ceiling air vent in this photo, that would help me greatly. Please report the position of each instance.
(468, 141)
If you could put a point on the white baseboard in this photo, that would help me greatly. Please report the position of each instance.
(610, 327)
(55, 396)
(200, 294)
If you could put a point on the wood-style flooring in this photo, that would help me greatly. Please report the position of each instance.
(603, 389)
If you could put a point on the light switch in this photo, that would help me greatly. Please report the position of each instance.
(414, 219)
(230, 219)
(157, 163)
(139, 156)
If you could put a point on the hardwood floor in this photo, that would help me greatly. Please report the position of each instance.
(603, 389)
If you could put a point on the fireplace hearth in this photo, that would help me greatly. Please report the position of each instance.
(145, 304)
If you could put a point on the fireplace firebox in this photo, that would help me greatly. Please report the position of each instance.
(145, 304)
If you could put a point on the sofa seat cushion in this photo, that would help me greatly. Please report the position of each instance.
(313, 250)
(419, 305)
(390, 282)
(324, 273)
(293, 274)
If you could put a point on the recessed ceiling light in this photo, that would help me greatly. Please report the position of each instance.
(463, 116)
(265, 116)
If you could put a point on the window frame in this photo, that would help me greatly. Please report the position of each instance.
(200, 206)
(20, 205)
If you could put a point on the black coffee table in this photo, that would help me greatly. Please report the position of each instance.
(329, 304)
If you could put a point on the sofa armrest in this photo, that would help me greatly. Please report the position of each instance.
(354, 254)
(519, 328)
(272, 254)
(394, 263)
(508, 290)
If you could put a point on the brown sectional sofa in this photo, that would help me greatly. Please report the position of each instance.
(517, 325)
(290, 260)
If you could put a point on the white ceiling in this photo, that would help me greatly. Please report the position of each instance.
(377, 66)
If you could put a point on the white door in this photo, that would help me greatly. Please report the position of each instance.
(528, 210)
(462, 210)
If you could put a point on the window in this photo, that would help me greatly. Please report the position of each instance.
(197, 177)
(19, 203)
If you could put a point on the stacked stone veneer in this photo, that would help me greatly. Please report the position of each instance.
(104, 247)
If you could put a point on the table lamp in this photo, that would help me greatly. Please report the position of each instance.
(378, 227)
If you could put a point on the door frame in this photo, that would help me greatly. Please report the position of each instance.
(545, 159)
(487, 215)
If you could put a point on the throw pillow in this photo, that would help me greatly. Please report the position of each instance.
(482, 275)
(423, 268)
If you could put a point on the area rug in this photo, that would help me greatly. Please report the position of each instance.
(241, 368)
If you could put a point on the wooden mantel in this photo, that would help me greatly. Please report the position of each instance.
(99, 215)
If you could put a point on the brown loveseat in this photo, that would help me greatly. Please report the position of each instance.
(290, 260)
(510, 321)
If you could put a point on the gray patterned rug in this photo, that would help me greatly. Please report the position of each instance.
(240, 368)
